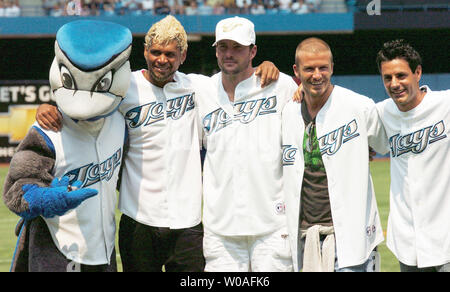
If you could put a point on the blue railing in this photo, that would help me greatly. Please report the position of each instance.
(199, 24)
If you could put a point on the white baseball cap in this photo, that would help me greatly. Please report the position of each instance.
(237, 29)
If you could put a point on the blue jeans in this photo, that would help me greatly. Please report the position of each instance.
(371, 265)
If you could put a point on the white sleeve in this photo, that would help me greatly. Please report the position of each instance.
(289, 87)
(204, 87)
(376, 133)
(201, 133)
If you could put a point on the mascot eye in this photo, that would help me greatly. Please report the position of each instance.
(66, 78)
(105, 83)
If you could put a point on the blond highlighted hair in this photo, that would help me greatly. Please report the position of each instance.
(165, 31)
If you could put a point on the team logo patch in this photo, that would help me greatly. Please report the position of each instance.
(230, 26)
(92, 173)
(289, 155)
(330, 143)
(280, 208)
(417, 141)
(153, 112)
(244, 112)
(370, 230)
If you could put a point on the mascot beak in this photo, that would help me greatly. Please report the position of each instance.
(99, 98)
(85, 105)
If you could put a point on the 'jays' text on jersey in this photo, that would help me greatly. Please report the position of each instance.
(242, 172)
(86, 234)
(419, 145)
(161, 181)
(346, 125)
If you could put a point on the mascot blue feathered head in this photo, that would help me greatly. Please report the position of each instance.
(90, 73)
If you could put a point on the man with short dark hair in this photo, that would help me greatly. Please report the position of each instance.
(417, 122)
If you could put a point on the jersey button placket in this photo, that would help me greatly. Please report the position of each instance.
(240, 169)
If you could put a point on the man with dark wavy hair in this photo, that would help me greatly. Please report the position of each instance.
(417, 122)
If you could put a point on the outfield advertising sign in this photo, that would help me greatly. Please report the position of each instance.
(19, 100)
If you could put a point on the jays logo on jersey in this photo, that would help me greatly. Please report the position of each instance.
(153, 112)
(244, 112)
(289, 155)
(91, 173)
(330, 143)
(417, 141)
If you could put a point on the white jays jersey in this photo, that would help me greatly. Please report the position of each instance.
(419, 143)
(345, 125)
(86, 234)
(242, 178)
(161, 181)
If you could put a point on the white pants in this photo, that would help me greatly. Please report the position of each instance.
(264, 253)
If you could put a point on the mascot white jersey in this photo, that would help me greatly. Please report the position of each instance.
(63, 184)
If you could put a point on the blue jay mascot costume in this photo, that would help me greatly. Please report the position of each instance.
(63, 185)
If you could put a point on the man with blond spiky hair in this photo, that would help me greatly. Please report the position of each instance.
(166, 33)
(161, 184)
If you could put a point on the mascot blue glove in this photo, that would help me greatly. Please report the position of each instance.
(64, 183)
(54, 200)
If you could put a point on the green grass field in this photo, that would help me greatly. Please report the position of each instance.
(380, 173)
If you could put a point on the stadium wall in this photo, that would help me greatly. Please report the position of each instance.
(197, 24)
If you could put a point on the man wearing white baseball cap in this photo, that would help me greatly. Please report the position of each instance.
(243, 210)
(237, 29)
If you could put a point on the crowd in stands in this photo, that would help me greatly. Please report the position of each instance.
(177, 7)
(12, 8)
(9, 8)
